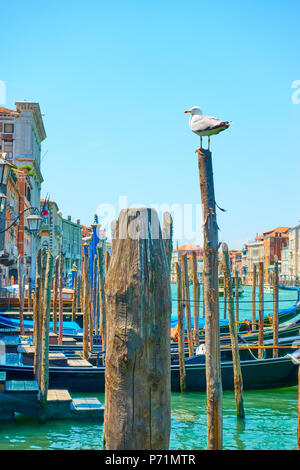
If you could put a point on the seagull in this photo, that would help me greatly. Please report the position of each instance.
(205, 125)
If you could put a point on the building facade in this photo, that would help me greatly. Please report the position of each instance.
(71, 245)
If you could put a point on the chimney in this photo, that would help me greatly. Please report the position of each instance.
(69, 218)
(78, 221)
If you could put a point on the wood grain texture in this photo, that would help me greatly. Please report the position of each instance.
(138, 301)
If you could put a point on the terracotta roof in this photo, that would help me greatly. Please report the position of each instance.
(189, 247)
(278, 230)
(7, 111)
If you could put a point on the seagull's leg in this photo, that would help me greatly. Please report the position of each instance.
(201, 142)
(209, 142)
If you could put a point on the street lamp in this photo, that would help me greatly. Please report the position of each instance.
(34, 222)
(5, 167)
(3, 199)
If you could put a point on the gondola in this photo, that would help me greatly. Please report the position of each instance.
(257, 374)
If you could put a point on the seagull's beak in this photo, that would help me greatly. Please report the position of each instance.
(187, 111)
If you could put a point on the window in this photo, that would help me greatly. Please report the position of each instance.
(9, 128)
(1, 126)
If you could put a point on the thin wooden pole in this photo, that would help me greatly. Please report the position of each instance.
(101, 279)
(181, 335)
(75, 296)
(94, 289)
(236, 288)
(211, 302)
(41, 264)
(275, 320)
(261, 308)
(298, 427)
(21, 294)
(167, 233)
(107, 261)
(60, 299)
(97, 307)
(237, 373)
(45, 340)
(36, 304)
(55, 288)
(186, 291)
(30, 308)
(224, 304)
(254, 298)
(195, 298)
(85, 311)
(137, 373)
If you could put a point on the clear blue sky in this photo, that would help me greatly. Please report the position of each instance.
(114, 79)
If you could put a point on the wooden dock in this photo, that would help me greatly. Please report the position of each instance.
(22, 396)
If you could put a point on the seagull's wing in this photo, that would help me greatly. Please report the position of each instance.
(207, 125)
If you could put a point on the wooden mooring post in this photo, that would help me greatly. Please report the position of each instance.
(21, 293)
(261, 309)
(75, 297)
(85, 311)
(181, 334)
(275, 320)
(55, 291)
(187, 303)
(237, 373)
(196, 298)
(211, 303)
(44, 377)
(102, 305)
(298, 427)
(254, 299)
(236, 292)
(60, 299)
(137, 374)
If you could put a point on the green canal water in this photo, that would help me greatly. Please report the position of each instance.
(271, 417)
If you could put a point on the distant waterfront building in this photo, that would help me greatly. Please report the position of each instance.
(51, 228)
(21, 134)
(71, 245)
(188, 249)
(294, 255)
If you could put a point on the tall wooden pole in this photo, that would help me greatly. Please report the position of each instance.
(236, 289)
(36, 299)
(137, 374)
(60, 299)
(55, 289)
(275, 307)
(167, 233)
(21, 294)
(30, 307)
(101, 279)
(75, 297)
(254, 299)
(211, 303)
(107, 261)
(85, 311)
(41, 270)
(195, 298)
(186, 291)
(45, 340)
(181, 334)
(237, 373)
(261, 309)
(298, 427)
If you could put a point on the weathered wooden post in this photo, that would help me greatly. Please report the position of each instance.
(237, 373)
(275, 320)
(211, 302)
(298, 427)
(36, 300)
(236, 289)
(260, 309)
(44, 380)
(55, 289)
(167, 233)
(186, 292)
(101, 279)
(138, 299)
(21, 294)
(75, 296)
(60, 299)
(85, 311)
(30, 308)
(107, 261)
(195, 298)
(181, 334)
(254, 299)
